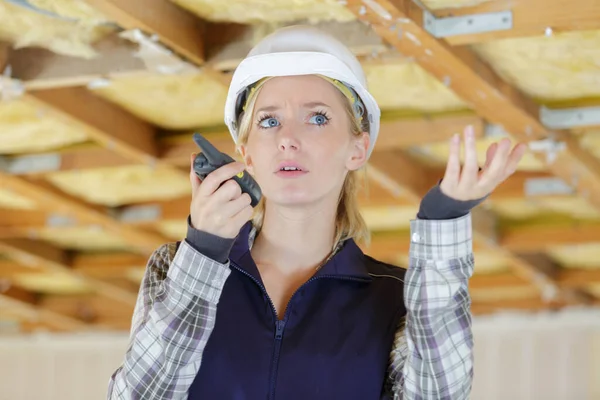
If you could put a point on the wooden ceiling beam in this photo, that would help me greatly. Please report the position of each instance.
(479, 86)
(16, 298)
(177, 28)
(545, 236)
(529, 18)
(41, 69)
(105, 123)
(54, 201)
(38, 254)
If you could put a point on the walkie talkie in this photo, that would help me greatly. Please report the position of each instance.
(211, 159)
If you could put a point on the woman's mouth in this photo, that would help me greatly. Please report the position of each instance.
(290, 170)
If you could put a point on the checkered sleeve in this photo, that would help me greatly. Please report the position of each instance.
(432, 356)
(172, 321)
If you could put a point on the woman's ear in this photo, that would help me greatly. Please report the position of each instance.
(358, 152)
(246, 158)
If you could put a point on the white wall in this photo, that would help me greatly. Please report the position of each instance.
(549, 357)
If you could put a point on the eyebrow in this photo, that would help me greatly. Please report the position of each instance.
(268, 108)
(311, 104)
(314, 104)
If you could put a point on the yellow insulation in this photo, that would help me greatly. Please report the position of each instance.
(82, 238)
(52, 283)
(172, 102)
(522, 209)
(174, 229)
(25, 129)
(585, 255)
(591, 141)
(408, 86)
(115, 186)
(388, 218)
(594, 290)
(15, 201)
(27, 28)
(270, 11)
(559, 67)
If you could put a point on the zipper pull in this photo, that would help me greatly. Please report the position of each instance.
(279, 329)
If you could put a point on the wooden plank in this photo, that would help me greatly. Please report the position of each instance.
(550, 270)
(534, 237)
(104, 122)
(30, 307)
(52, 200)
(4, 53)
(177, 28)
(530, 18)
(10, 269)
(31, 311)
(41, 69)
(43, 255)
(480, 87)
(412, 178)
(403, 133)
(520, 305)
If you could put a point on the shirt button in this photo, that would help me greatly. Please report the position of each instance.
(416, 237)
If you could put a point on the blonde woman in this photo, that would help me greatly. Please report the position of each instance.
(278, 301)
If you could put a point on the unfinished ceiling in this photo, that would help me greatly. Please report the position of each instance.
(99, 99)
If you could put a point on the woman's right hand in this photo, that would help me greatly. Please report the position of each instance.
(219, 210)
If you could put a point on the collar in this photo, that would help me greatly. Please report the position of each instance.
(347, 261)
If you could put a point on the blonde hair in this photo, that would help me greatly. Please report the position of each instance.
(349, 221)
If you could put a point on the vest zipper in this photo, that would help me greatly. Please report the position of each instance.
(280, 324)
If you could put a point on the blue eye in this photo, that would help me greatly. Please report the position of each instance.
(268, 122)
(319, 119)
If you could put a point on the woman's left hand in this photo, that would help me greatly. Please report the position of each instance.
(470, 183)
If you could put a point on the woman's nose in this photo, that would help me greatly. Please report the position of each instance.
(288, 140)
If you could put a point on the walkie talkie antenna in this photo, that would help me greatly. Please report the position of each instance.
(211, 153)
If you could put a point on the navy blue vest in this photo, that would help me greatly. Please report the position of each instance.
(333, 342)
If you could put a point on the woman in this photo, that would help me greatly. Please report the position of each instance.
(279, 302)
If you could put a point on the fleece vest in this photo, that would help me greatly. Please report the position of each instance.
(333, 342)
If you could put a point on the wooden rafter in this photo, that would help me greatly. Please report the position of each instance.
(15, 298)
(177, 28)
(530, 18)
(52, 200)
(104, 122)
(41, 69)
(479, 86)
(45, 256)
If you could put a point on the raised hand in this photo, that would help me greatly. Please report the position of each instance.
(469, 182)
(218, 205)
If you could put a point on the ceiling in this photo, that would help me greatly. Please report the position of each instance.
(100, 99)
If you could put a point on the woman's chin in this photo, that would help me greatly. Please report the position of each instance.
(289, 197)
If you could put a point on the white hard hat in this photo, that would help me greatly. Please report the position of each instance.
(300, 50)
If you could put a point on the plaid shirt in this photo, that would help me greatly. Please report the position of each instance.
(431, 358)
